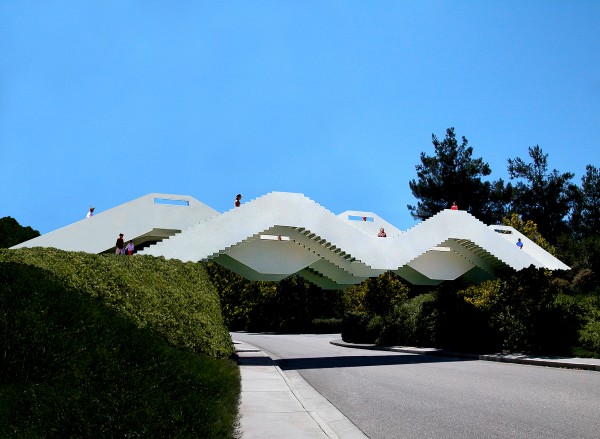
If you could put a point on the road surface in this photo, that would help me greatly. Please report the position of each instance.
(399, 395)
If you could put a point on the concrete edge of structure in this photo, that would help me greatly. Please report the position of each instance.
(561, 362)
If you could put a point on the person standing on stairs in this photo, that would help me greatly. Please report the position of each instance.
(129, 247)
(120, 245)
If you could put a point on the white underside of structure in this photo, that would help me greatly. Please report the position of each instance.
(279, 234)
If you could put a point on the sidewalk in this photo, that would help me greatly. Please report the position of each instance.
(279, 405)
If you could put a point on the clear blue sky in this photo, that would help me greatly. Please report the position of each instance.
(103, 102)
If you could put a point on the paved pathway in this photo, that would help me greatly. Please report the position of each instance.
(283, 405)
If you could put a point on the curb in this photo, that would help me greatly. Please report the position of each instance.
(323, 420)
(562, 362)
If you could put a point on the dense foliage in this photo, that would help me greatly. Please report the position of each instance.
(526, 311)
(585, 218)
(291, 305)
(546, 197)
(12, 233)
(174, 299)
(105, 346)
(542, 196)
(453, 175)
(529, 311)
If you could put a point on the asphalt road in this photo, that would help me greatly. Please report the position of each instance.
(398, 395)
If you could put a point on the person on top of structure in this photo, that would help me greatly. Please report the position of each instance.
(130, 247)
(120, 245)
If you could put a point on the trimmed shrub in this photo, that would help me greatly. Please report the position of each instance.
(174, 299)
(75, 366)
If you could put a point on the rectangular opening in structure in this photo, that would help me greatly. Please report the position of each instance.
(369, 219)
(171, 202)
(275, 237)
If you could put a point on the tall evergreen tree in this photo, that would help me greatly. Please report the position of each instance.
(544, 197)
(585, 220)
(453, 175)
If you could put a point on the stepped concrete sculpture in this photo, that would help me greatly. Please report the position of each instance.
(146, 220)
(279, 234)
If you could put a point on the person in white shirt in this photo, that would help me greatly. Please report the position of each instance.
(91, 212)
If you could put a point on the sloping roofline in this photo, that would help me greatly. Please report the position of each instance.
(281, 233)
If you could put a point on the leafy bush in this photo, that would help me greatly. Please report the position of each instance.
(174, 299)
(367, 307)
(354, 328)
(523, 312)
(589, 338)
(583, 256)
(414, 322)
(77, 365)
(377, 295)
(528, 312)
(290, 305)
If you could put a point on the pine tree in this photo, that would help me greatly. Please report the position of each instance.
(453, 175)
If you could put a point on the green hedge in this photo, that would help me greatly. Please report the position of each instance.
(105, 346)
(174, 299)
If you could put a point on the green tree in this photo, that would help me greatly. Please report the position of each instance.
(529, 229)
(452, 174)
(583, 256)
(528, 312)
(585, 220)
(12, 233)
(544, 197)
(377, 295)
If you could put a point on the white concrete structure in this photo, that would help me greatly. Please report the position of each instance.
(146, 220)
(279, 234)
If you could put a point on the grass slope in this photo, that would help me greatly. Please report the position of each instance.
(105, 346)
